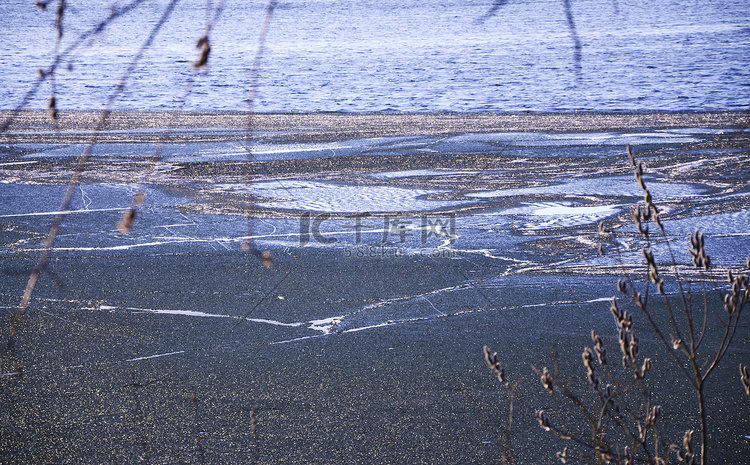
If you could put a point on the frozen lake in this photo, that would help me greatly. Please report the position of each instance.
(395, 259)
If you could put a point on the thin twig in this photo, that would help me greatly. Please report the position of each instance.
(249, 243)
(79, 168)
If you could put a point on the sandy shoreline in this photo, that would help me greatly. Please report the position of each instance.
(35, 125)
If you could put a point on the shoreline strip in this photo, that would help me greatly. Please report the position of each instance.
(34, 126)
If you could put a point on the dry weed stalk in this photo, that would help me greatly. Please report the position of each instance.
(196, 427)
(620, 422)
(140, 417)
(504, 437)
(686, 337)
(254, 432)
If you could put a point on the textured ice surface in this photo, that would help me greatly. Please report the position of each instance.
(624, 186)
(344, 198)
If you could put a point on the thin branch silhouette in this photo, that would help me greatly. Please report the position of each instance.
(44, 74)
(10, 346)
(248, 244)
(574, 37)
(492, 11)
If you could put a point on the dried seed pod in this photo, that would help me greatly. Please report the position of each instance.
(728, 304)
(647, 211)
(491, 358)
(541, 416)
(605, 455)
(660, 286)
(563, 456)
(205, 49)
(639, 171)
(264, 255)
(588, 358)
(630, 154)
(639, 218)
(745, 378)
(601, 352)
(686, 457)
(52, 108)
(624, 342)
(595, 338)
(698, 250)
(593, 380)
(648, 255)
(128, 218)
(636, 214)
(687, 441)
(652, 416)
(640, 301)
(627, 321)
(494, 363)
(649, 420)
(547, 380)
(645, 368)
(615, 310)
(624, 321)
(633, 352)
(126, 223)
(266, 258)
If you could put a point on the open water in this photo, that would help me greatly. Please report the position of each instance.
(388, 55)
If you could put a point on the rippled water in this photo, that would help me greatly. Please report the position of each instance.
(335, 55)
